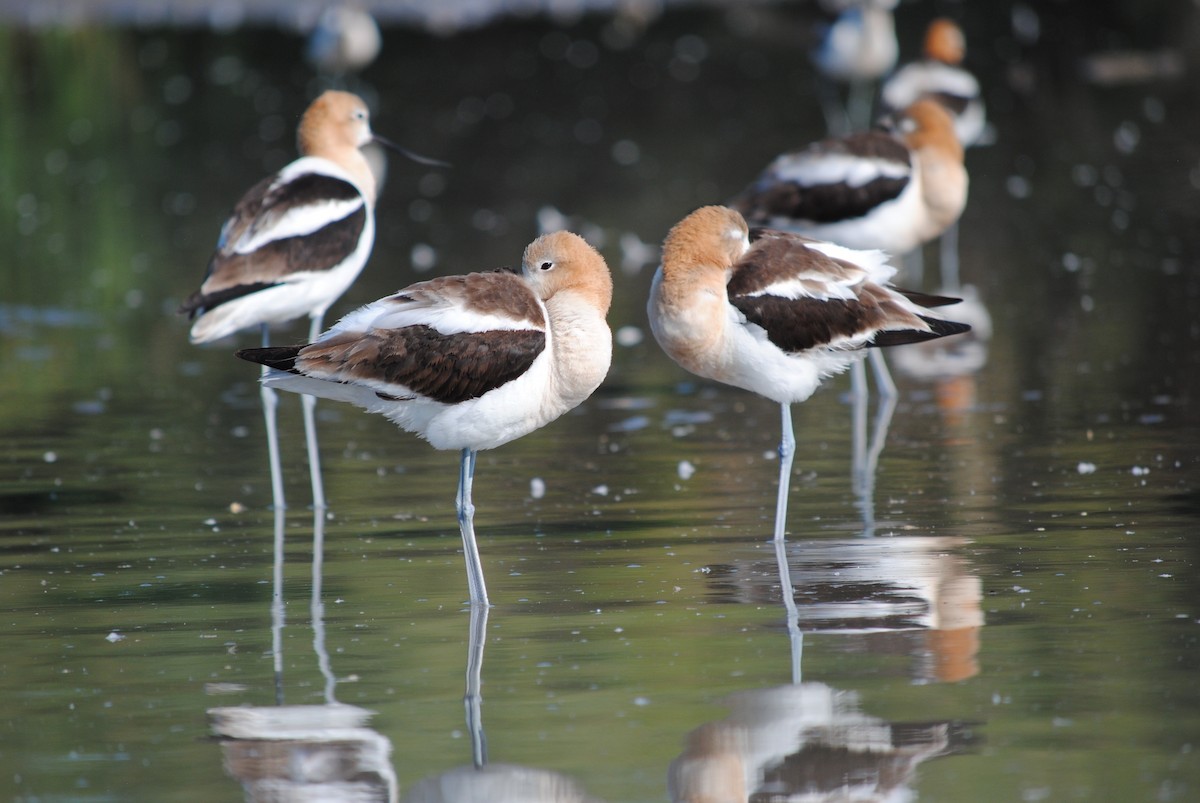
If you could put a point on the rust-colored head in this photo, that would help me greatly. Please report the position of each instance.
(334, 123)
(944, 41)
(562, 260)
(711, 237)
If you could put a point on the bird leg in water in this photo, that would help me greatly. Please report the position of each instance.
(309, 403)
(270, 403)
(787, 450)
(466, 523)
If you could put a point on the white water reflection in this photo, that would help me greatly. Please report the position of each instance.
(921, 587)
(304, 752)
(810, 741)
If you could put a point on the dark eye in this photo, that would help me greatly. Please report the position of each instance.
(546, 265)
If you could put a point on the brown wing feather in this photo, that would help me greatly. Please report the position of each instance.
(446, 368)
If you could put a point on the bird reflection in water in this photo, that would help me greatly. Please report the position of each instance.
(806, 741)
(304, 752)
(481, 781)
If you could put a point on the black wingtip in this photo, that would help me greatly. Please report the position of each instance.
(192, 306)
(927, 299)
(938, 327)
(282, 358)
(943, 328)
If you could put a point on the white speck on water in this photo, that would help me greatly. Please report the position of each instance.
(50, 457)
(1127, 136)
(631, 424)
(628, 336)
(537, 487)
(1154, 110)
(239, 432)
(641, 701)
(626, 152)
(600, 490)
(1017, 186)
(686, 470)
(423, 257)
(1086, 468)
(1139, 471)
(114, 637)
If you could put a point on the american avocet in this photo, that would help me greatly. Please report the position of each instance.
(891, 188)
(775, 313)
(467, 362)
(858, 48)
(941, 76)
(295, 242)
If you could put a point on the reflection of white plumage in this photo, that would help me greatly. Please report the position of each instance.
(499, 783)
(305, 752)
(808, 742)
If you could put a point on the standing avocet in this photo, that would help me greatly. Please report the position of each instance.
(858, 49)
(467, 362)
(940, 75)
(891, 188)
(295, 242)
(775, 313)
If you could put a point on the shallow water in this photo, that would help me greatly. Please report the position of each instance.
(1011, 592)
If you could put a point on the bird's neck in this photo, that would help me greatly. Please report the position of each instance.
(582, 344)
(355, 163)
(691, 317)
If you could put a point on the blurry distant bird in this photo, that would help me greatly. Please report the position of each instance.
(940, 75)
(345, 39)
(776, 313)
(857, 49)
(295, 242)
(893, 187)
(467, 362)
